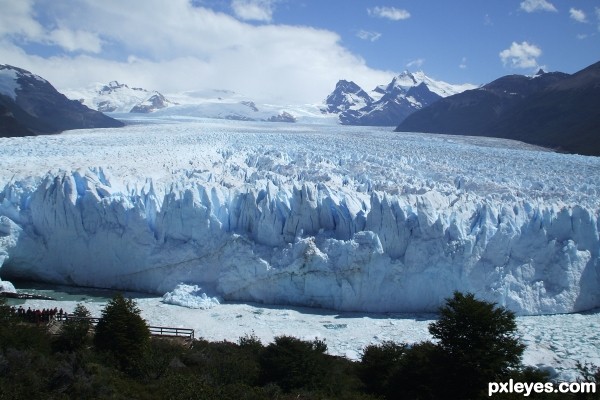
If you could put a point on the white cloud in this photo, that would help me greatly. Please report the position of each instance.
(578, 15)
(393, 13)
(418, 63)
(598, 16)
(537, 5)
(174, 46)
(521, 55)
(17, 20)
(76, 40)
(253, 10)
(368, 35)
(463, 63)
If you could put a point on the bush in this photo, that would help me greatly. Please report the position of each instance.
(159, 358)
(122, 332)
(223, 363)
(16, 335)
(396, 371)
(251, 344)
(379, 364)
(293, 364)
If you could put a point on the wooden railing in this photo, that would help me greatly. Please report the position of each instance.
(154, 330)
(66, 317)
(167, 331)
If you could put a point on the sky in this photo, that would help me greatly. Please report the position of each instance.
(293, 50)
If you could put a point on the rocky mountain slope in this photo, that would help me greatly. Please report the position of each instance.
(389, 104)
(555, 110)
(30, 105)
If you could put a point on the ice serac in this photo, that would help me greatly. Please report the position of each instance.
(301, 243)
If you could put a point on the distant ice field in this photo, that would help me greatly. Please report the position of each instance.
(341, 156)
(345, 218)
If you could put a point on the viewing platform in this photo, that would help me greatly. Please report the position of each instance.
(164, 331)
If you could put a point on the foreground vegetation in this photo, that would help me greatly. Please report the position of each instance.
(476, 343)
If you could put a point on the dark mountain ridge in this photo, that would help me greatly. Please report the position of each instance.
(37, 108)
(555, 110)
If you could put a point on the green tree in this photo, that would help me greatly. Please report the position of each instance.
(479, 343)
(74, 331)
(122, 332)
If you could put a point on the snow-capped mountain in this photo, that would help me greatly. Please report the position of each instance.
(230, 105)
(155, 102)
(388, 105)
(347, 96)
(120, 98)
(128, 102)
(30, 105)
(550, 109)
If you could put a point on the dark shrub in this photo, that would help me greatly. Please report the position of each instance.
(293, 363)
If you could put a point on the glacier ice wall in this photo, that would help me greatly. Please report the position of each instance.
(267, 227)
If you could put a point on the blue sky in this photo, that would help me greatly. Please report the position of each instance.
(459, 40)
(293, 50)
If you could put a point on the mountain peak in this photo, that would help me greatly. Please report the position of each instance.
(347, 95)
(115, 96)
(31, 106)
(523, 108)
(388, 104)
(111, 87)
(404, 80)
(347, 86)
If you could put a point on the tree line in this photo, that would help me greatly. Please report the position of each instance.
(475, 343)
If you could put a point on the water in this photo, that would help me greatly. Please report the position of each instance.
(68, 293)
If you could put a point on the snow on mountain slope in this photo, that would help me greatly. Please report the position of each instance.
(118, 97)
(9, 77)
(339, 217)
(388, 105)
(407, 80)
(226, 104)
(8, 82)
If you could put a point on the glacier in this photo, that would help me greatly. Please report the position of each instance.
(347, 218)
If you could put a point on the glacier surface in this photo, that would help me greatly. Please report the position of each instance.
(347, 218)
